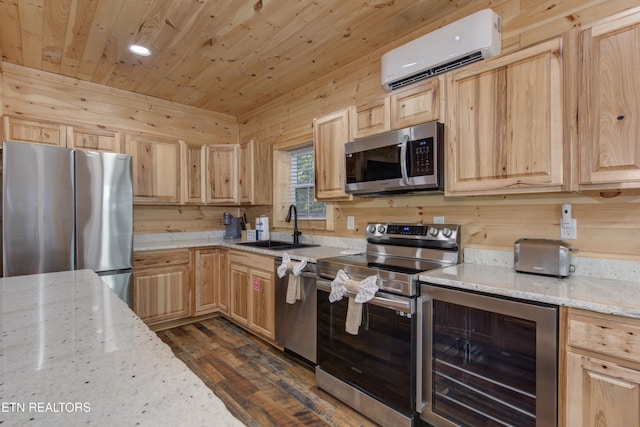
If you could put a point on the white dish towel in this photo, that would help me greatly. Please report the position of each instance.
(364, 291)
(294, 270)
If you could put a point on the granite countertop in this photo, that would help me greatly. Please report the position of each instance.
(619, 297)
(312, 254)
(73, 353)
(601, 285)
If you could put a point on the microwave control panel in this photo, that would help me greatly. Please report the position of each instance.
(420, 157)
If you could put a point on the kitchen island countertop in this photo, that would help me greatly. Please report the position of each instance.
(618, 297)
(72, 353)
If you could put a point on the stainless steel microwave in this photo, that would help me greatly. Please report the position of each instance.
(400, 161)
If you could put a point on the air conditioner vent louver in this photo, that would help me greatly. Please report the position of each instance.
(474, 57)
(470, 39)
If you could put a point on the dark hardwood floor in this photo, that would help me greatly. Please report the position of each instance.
(260, 385)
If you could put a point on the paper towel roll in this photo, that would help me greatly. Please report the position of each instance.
(265, 228)
(262, 228)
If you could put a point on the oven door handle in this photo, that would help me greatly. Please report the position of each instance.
(382, 299)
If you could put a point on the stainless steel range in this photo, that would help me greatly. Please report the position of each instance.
(372, 366)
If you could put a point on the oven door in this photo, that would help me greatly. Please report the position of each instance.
(380, 360)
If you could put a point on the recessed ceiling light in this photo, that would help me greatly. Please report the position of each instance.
(139, 50)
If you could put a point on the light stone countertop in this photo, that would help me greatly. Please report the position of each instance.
(73, 353)
(327, 247)
(601, 285)
(619, 297)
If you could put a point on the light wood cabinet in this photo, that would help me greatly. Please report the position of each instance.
(238, 292)
(330, 133)
(609, 104)
(417, 104)
(209, 280)
(256, 165)
(370, 118)
(223, 173)
(227, 174)
(223, 281)
(262, 301)
(156, 164)
(34, 131)
(603, 370)
(93, 139)
(252, 292)
(505, 120)
(161, 285)
(194, 172)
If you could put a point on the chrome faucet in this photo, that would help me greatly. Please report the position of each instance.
(296, 234)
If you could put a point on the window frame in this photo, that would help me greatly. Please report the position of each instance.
(293, 186)
(282, 196)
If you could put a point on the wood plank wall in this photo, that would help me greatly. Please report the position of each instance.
(608, 223)
(40, 95)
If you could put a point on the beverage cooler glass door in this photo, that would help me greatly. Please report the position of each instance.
(487, 360)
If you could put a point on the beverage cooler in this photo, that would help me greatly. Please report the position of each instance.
(487, 360)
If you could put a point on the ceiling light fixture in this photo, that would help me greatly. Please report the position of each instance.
(139, 50)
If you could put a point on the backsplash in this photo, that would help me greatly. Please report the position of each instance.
(584, 266)
(587, 267)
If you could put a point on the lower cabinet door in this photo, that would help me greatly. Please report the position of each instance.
(206, 270)
(223, 281)
(601, 393)
(262, 295)
(239, 297)
(161, 294)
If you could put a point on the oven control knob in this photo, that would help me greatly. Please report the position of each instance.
(433, 231)
(381, 229)
(446, 232)
(371, 228)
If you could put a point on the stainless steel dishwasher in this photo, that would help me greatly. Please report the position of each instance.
(296, 323)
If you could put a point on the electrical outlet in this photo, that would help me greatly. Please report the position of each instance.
(569, 233)
(438, 220)
(351, 223)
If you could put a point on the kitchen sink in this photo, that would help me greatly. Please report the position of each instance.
(276, 245)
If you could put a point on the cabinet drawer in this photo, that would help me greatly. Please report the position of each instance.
(262, 262)
(160, 258)
(610, 335)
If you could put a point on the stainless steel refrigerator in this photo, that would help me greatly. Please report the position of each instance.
(65, 209)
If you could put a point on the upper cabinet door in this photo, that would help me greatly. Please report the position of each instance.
(194, 173)
(223, 175)
(155, 169)
(370, 118)
(93, 139)
(609, 107)
(330, 133)
(256, 166)
(416, 104)
(37, 132)
(247, 172)
(505, 120)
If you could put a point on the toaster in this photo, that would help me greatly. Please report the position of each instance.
(543, 256)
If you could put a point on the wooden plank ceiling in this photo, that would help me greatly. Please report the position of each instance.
(228, 56)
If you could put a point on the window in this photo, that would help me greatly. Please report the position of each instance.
(302, 185)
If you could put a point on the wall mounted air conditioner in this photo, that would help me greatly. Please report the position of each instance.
(470, 39)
